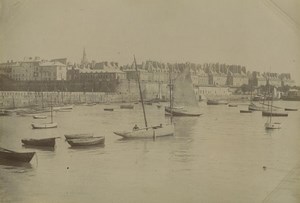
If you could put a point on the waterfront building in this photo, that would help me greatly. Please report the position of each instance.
(237, 79)
(106, 74)
(273, 79)
(286, 79)
(258, 79)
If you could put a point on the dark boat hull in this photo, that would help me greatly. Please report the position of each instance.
(288, 109)
(16, 156)
(278, 114)
(245, 111)
(48, 142)
(181, 113)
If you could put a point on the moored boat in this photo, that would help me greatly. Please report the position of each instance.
(78, 136)
(108, 109)
(45, 142)
(39, 117)
(216, 102)
(15, 156)
(43, 125)
(149, 132)
(182, 112)
(290, 109)
(274, 113)
(245, 111)
(4, 113)
(126, 106)
(272, 125)
(86, 141)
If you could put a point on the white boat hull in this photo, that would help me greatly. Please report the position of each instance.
(150, 132)
(43, 125)
(272, 125)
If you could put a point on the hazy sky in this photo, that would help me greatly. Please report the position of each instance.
(263, 35)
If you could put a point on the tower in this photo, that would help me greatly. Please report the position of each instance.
(84, 60)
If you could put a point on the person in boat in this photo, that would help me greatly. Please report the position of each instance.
(135, 127)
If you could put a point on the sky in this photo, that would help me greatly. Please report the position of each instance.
(263, 35)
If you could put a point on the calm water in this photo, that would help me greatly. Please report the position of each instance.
(218, 157)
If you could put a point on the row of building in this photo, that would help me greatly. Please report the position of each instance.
(213, 74)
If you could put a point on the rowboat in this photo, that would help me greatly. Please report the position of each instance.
(15, 156)
(45, 142)
(182, 112)
(79, 136)
(149, 132)
(245, 111)
(43, 125)
(289, 109)
(216, 102)
(108, 109)
(86, 141)
(273, 113)
(39, 117)
(270, 125)
(126, 106)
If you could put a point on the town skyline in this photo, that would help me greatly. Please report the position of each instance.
(251, 33)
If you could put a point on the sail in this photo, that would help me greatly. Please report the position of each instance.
(183, 90)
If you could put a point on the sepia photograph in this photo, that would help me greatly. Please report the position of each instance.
(149, 101)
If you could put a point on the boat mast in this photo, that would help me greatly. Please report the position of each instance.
(141, 95)
(171, 93)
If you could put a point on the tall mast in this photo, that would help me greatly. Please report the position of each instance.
(171, 93)
(141, 95)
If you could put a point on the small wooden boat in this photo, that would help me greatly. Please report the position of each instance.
(39, 117)
(43, 125)
(15, 156)
(270, 125)
(274, 113)
(245, 111)
(126, 106)
(181, 112)
(108, 109)
(216, 102)
(86, 141)
(79, 136)
(4, 113)
(289, 109)
(232, 105)
(45, 142)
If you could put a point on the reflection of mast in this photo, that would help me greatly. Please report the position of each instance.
(141, 95)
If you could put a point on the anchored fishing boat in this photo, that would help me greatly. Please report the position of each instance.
(39, 117)
(16, 156)
(147, 132)
(183, 101)
(216, 102)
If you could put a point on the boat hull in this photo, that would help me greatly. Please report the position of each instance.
(148, 133)
(216, 102)
(79, 136)
(272, 126)
(178, 112)
(44, 125)
(289, 109)
(47, 142)
(278, 114)
(245, 111)
(126, 106)
(86, 141)
(16, 156)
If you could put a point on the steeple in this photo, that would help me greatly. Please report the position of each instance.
(84, 59)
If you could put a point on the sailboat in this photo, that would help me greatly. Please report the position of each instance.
(148, 131)
(45, 125)
(269, 124)
(183, 96)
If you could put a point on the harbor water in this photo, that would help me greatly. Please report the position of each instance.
(221, 156)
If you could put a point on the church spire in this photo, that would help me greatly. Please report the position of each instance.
(84, 59)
